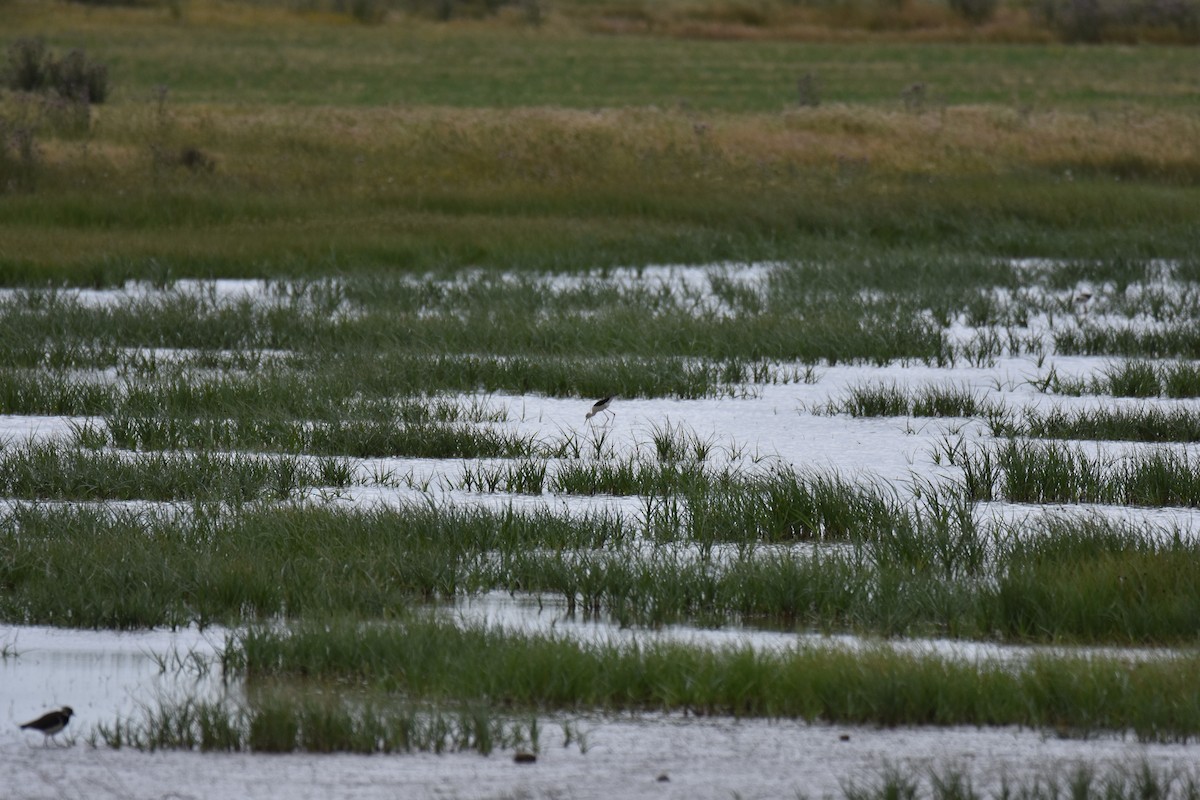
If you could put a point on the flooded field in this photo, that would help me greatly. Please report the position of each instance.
(357, 535)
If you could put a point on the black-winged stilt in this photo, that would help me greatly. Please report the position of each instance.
(601, 406)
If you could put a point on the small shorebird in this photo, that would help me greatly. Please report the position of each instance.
(1081, 301)
(601, 406)
(51, 722)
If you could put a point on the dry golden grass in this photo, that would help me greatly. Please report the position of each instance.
(732, 20)
(286, 147)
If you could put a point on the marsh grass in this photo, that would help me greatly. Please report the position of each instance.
(1147, 424)
(537, 162)
(295, 720)
(933, 573)
(1102, 577)
(471, 187)
(524, 320)
(890, 400)
(1135, 377)
(686, 501)
(352, 438)
(129, 568)
(54, 471)
(437, 661)
(544, 167)
(1131, 781)
(1177, 340)
(318, 364)
(783, 506)
(1053, 472)
(372, 335)
(633, 475)
(526, 476)
(49, 391)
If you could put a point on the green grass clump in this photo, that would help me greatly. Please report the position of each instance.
(890, 400)
(1180, 340)
(783, 506)
(283, 721)
(353, 438)
(438, 662)
(633, 475)
(1135, 378)
(1095, 579)
(126, 568)
(685, 501)
(30, 392)
(1055, 472)
(1132, 781)
(1147, 424)
(1181, 379)
(53, 471)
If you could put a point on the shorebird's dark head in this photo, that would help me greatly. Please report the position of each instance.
(67, 711)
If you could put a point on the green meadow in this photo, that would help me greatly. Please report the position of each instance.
(241, 140)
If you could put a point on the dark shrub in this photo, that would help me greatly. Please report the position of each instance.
(33, 68)
(975, 12)
(73, 77)
(26, 65)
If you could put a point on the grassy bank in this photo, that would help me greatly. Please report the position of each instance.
(444, 146)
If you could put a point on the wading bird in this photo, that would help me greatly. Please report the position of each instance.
(600, 406)
(51, 722)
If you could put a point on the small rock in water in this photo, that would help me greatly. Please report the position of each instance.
(663, 778)
(522, 757)
(845, 737)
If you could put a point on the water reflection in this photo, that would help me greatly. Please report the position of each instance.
(527, 613)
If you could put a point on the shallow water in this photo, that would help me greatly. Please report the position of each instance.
(548, 615)
(700, 757)
(102, 675)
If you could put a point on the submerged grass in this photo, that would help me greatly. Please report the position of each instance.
(482, 321)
